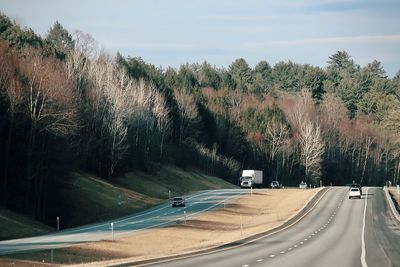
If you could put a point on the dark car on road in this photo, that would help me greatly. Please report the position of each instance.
(178, 202)
(275, 184)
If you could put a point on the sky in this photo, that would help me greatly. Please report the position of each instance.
(174, 32)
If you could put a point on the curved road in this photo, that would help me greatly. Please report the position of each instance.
(338, 232)
(157, 216)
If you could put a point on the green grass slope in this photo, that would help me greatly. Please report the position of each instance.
(85, 198)
(14, 225)
(90, 199)
(170, 178)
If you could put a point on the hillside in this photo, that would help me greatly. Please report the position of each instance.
(115, 116)
(87, 198)
(14, 225)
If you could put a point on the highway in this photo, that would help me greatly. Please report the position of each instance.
(157, 216)
(338, 232)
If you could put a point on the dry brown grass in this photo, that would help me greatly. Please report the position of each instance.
(242, 217)
(395, 195)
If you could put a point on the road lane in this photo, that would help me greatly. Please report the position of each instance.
(382, 232)
(157, 216)
(330, 235)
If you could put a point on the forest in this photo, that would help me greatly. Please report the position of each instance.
(65, 104)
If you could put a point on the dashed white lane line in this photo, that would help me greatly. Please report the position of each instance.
(363, 261)
(301, 243)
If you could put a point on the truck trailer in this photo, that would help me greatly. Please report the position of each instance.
(251, 179)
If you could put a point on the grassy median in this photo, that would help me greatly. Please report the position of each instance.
(243, 217)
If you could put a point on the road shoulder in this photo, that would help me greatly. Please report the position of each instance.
(303, 208)
(392, 205)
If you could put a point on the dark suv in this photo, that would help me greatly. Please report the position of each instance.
(275, 184)
(178, 202)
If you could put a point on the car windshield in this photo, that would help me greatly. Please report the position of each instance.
(177, 198)
(246, 178)
(354, 189)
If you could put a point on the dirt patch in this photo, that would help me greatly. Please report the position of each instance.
(241, 218)
(22, 263)
(65, 256)
(395, 197)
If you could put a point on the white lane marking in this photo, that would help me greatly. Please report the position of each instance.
(305, 239)
(271, 256)
(363, 261)
(260, 260)
(301, 243)
(289, 248)
(246, 265)
(282, 252)
(295, 246)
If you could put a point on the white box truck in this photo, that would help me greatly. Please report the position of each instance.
(251, 178)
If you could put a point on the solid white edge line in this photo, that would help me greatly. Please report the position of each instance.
(363, 261)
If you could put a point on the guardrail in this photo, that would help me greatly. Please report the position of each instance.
(391, 204)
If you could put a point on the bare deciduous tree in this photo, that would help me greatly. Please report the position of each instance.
(187, 110)
(12, 88)
(49, 97)
(304, 119)
(312, 148)
(277, 132)
(161, 113)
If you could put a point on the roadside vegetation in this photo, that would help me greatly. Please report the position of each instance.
(395, 197)
(66, 105)
(15, 225)
(239, 219)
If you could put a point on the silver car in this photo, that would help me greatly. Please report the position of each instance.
(354, 192)
(303, 185)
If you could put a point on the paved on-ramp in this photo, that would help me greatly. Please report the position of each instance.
(338, 232)
(157, 216)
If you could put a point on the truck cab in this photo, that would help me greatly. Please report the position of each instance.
(251, 179)
(246, 181)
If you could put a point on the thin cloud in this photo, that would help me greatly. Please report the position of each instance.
(395, 38)
(238, 18)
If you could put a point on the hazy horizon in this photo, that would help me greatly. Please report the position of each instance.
(171, 33)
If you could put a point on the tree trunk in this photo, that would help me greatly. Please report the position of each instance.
(7, 155)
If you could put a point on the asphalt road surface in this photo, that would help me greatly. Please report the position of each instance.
(158, 216)
(338, 232)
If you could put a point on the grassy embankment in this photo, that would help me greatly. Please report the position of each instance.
(90, 199)
(14, 225)
(395, 196)
(242, 217)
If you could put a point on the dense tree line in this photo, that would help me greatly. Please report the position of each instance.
(64, 104)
